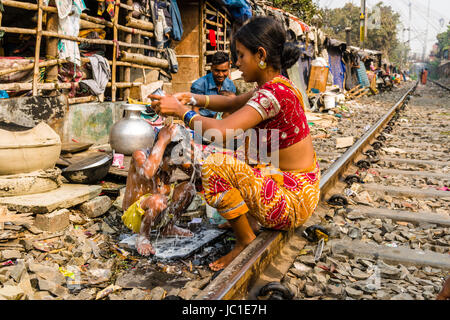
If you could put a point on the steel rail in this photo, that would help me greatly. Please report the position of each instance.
(235, 279)
(440, 85)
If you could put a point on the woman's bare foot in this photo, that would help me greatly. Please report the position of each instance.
(224, 261)
(244, 236)
(173, 230)
(225, 225)
(143, 246)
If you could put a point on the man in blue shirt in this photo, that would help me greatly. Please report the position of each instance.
(215, 82)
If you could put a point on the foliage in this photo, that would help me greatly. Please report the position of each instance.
(443, 39)
(383, 39)
(305, 10)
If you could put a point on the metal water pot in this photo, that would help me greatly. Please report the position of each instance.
(131, 133)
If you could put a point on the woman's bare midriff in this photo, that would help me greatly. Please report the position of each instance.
(299, 156)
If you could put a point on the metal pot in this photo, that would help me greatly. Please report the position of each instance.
(131, 133)
(89, 170)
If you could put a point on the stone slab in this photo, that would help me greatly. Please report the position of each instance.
(68, 195)
(396, 255)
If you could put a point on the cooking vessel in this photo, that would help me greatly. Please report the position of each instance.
(89, 170)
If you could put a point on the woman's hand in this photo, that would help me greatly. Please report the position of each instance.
(183, 97)
(168, 105)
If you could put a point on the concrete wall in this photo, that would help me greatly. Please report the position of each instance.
(91, 122)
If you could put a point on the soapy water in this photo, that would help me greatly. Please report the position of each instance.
(176, 247)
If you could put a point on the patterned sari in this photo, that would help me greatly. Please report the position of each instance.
(277, 199)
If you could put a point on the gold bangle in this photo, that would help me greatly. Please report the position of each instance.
(191, 120)
(206, 102)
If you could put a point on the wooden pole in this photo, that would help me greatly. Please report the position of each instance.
(141, 24)
(37, 48)
(52, 45)
(140, 58)
(128, 39)
(115, 51)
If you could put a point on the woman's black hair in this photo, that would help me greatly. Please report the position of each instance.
(268, 33)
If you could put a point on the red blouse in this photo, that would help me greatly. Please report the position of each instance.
(281, 108)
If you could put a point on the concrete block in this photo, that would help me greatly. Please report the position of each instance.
(96, 207)
(53, 221)
(68, 195)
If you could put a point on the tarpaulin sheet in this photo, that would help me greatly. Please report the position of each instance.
(337, 67)
(362, 75)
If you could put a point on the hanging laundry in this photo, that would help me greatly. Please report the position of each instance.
(212, 38)
(100, 74)
(177, 24)
(101, 7)
(173, 62)
(110, 7)
(69, 24)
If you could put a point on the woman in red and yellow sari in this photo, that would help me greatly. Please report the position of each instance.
(278, 197)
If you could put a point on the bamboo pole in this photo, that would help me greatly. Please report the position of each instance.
(53, 62)
(128, 39)
(141, 24)
(37, 48)
(115, 51)
(52, 45)
(130, 8)
(140, 58)
(20, 86)
(82, 99)
(84, 24)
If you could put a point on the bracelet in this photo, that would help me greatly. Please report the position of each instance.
(206, 102)
(192, 102)
(188, 116)
(192, 119)
(185, 114)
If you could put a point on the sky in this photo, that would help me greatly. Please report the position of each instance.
(439, 11)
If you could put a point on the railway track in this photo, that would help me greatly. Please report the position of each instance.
(385, 207)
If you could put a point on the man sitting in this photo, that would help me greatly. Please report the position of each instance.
(150, 203)
(215, 82)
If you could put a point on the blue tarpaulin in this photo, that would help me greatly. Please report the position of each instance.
(362, 75)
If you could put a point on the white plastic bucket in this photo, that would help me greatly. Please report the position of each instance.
(329, 100)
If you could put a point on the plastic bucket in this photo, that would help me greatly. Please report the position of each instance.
(329, 100)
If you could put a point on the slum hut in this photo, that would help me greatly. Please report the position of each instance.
(336, 50)
(73, 63)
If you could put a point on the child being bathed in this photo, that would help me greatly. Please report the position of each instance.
(150, 202)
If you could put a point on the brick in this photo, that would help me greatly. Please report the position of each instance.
(53, 221)
(96, 207)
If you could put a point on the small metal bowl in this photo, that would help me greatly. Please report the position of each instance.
(89, 170)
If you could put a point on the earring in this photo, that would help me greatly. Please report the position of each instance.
(262, 65)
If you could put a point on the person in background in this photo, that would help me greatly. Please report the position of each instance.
(424, 75)
(216, 82)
